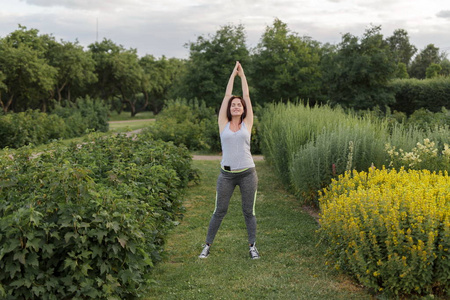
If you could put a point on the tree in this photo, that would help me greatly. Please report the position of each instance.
(445, 64)
(359, 71)
(285, 66)
(210, 63)
(433, 71)
(160, 75)
(102, 54)
(401, 71)
(129, 79)
(429, 55)
(75, 68)
(401, 48)
(28, 78)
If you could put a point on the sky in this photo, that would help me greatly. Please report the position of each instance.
(164, 27)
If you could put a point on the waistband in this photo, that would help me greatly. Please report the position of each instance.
(237, 171)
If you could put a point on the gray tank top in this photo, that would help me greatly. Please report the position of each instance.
(236, 148)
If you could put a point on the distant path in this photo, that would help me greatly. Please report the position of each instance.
(129, 121)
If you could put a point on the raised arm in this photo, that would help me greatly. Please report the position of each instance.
(246, 96)
(223, 119)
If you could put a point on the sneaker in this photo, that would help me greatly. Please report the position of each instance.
(205, 251)
(254, 254)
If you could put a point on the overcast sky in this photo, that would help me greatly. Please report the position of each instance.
(163, 27)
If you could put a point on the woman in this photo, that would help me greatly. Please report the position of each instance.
(235, 127)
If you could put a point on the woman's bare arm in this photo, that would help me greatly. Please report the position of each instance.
(246, 96)
(223, 119)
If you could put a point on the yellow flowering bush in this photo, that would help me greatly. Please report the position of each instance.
(390, 229)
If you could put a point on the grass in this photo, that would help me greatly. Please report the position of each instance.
(126, 115)
(129, 125)
(292, 264)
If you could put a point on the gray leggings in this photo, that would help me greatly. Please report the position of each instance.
(248, 182)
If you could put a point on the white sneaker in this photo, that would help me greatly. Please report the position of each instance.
(254, 254)
(205, 251)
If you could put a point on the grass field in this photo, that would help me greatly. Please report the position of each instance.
(130, 125)
(292, 264)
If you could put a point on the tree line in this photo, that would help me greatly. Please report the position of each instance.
(39, 72)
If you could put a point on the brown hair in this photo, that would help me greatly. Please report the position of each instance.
(244, 114)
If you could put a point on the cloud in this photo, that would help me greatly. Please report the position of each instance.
(81, 4)
(444, 14)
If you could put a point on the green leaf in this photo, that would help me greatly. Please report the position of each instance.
(100, 235)
(70, 235)
(70, 263)
(122, 241)
(33, 259)
(20, 256)
(34, 243)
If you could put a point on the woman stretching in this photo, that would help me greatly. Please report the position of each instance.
(237, 166)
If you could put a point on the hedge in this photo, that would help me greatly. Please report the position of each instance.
(88, 221)
(414, 94)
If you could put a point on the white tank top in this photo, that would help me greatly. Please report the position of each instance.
(236, 148)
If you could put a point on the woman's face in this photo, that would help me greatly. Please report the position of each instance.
(236, 108)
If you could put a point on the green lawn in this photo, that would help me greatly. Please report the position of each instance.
(130, 125)
(292, 264)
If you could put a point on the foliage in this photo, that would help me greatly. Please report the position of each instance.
(426, 57)
(161, 76)
(211, 60)
(285, 66)
(358, 73)
(401, 48)
(390, 229)
(28, 77)
(433, 71)
(188, 123)
(83, 115)
(351, 145)
(426, 155)
(75, 68)
(414, 94)
(286, 128)
(88, 221)
(424, 119)
(30, 127)
(308, 146)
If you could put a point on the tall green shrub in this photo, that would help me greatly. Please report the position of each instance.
(349, 146)
(83, 115)
(285, 128)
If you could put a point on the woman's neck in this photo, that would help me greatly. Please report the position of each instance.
(236, 120)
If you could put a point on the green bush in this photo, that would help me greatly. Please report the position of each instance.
(30, 127)
(414, 94)
(285, 128)
(334, 151)
(88, 221)
(391, 230)
(83, 115)
(425, 119)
